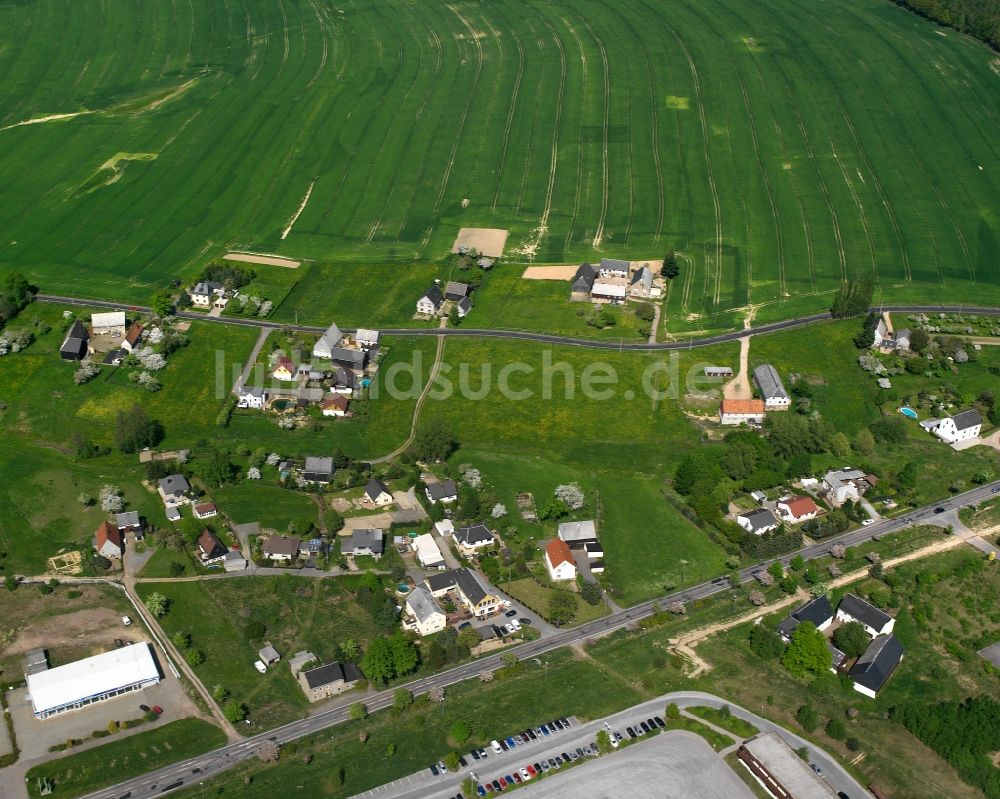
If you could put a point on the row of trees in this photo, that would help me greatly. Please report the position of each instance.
(854, 298)
(15, 293)
(978, 18)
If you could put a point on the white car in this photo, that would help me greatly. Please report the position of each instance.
(259, 665)
(867, 522)
(126, 621)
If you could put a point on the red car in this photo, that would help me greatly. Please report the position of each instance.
(503, 783)
(532, 771)
(157, 710)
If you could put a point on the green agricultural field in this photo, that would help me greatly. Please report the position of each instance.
(777, 148)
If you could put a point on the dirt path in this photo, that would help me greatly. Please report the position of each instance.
(558, 272)
(245, 375)
(656, 323)
(739, 386)
(685, 644)
(268, 260)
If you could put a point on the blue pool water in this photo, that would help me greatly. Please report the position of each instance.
(908, 412)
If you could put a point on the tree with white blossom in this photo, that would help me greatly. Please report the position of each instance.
(253, 473)
(498, 511)
(572, 495)
(110, 498)
(273, 458)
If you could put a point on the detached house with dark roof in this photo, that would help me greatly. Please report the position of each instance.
(173, 490)
(210, 548)
(74, 346)
(758, 521)
(874, 668)
(583, 282)
(431, 302)
(472, 593)
(377, 493)
(364, 541)
(470, 540)
(817, 611)
(332, 679)
(960, 427)
(318, 469)
(875, 621)
(446, 491)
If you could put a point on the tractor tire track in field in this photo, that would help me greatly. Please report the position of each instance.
(461, 122)
(599, 234)
(628, 128)
(579, 149)
(377, 223)
(510, 117)
(859, 206)
(526, 158)
(326, 45)
(688, 280)
(708, 166)
(284, 33)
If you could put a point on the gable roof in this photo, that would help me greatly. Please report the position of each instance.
(134, 334)
(800, 506)
(447, 488)
(967, 419)
(441, 580)
(643, 276)
(434, 295)
(76, 338)
(364, 334)
(363, 538)
(422, 604)
(348, 356)
(174, 483)
(211, 545)
(464, 305)
(476, 534)
(865, 612)
(470, 585)
(759, 519)
(331, 673)
(206, 507)
(818, 611)
(878, 662)
(615, 264)
(376, 487)
(558, 552)
(281, 545)
(578, 531)
(129, 518)
(769, 383)
(584, 278)
(338, 401)
(108, 532)
(331, 338)
(318, 465)
(455, 289)
(743, 406)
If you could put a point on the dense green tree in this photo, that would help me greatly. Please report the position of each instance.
(670, 269)
(807, 652)
(851, 639)
(591, 593)
(919, 340)
(562, 606)
(357, 711)
(162, 303)
(807, 717)
(864, 443)
(134, 430)
(157, 604)
(235, 711)
(435, 441)
(377, 663)
(459, 732)
(835, 729)
(405, 656)
(765, 641)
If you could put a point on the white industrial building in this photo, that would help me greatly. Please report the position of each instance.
(93, 679)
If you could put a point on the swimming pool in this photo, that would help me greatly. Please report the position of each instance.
(908, 412)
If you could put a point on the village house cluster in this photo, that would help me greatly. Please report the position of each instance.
(615, 281)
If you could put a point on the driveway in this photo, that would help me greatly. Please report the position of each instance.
(407, 500)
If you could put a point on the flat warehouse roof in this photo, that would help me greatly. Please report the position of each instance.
(91, 676)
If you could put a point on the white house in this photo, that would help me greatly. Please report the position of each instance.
(324, 346)
(173, 490)
(279, 547)
(758, 521)
(470, 540)
(132, 337)
(797, 509)
(422, 613)
(613, 267)
(960, 427)
(875, 622)
(445, 492)
(206, 510)
(205, 293)
(430, 303)
(378, 493)
(335, 405)
(741, 411)
(428, 553)
(771, 388)
(366, 338)
(251, 397)
(559, 560)
(111, 323)
(874, 668)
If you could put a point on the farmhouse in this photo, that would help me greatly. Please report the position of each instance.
(613, 267)
(94, 679)
(456, 291)
(281, 548)
(583, 282)
(960, 427)
(74, 346)
(348, 358)
(874, 668)
(173, 489)
(758, 521)
(335, 406)
(325, 344)
(251, 397)
(797, 509)
(129, 522)
(471, 591)
(364, 541)
(771, 388)
(740, 411)
(210, 548)
(431, 301)
(782, 772)
(365, 338)
(132, 337)
(844, 484)
(470, 540)
(329, 680)
(445, 492)
(205, 510)
(641, 284)
(108, 324)
(875, 622)
(318, 470)
(463, 306)
(559, 560)
(377, 493)
(205, 292)
(578, 534)
(428, 554)
(109, 542)
(818, 611)
(422, 614)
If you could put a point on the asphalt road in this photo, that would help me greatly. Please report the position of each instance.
(184, 774)
(544, 338)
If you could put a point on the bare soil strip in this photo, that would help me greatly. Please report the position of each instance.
(269, 260)
(563, 272)
(298, 213)
(489, 241)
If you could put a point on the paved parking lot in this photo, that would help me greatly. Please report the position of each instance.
(34, 736)
(673, 765)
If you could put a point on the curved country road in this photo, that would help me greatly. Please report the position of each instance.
(522, 335)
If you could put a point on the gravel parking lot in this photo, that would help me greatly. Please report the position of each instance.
(673, 765)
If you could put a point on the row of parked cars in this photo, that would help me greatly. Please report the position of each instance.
(532, 770)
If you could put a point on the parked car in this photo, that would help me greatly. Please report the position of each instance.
(259, 665)
(545, 730)
(442, 767)
(817, 769)
(531, 735)
(126, 621)
(644, 725)
(867, 522)
(474, 754)
(157, 710)
(516, 778)
(939, 510)
(496, 746)
(510, 614)
(659, 722)
(525, 774)
(565, 722)
(630, 731)
(558, 724)
(524, 620)
(145, 708)
(462, 761)
(434, 769)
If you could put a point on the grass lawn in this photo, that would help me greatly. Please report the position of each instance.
(737, 726)
(715, 739)
(125, 757)
(271, 505)
(163, 558)
(536, 598)
(984, 516)
(299, 613)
